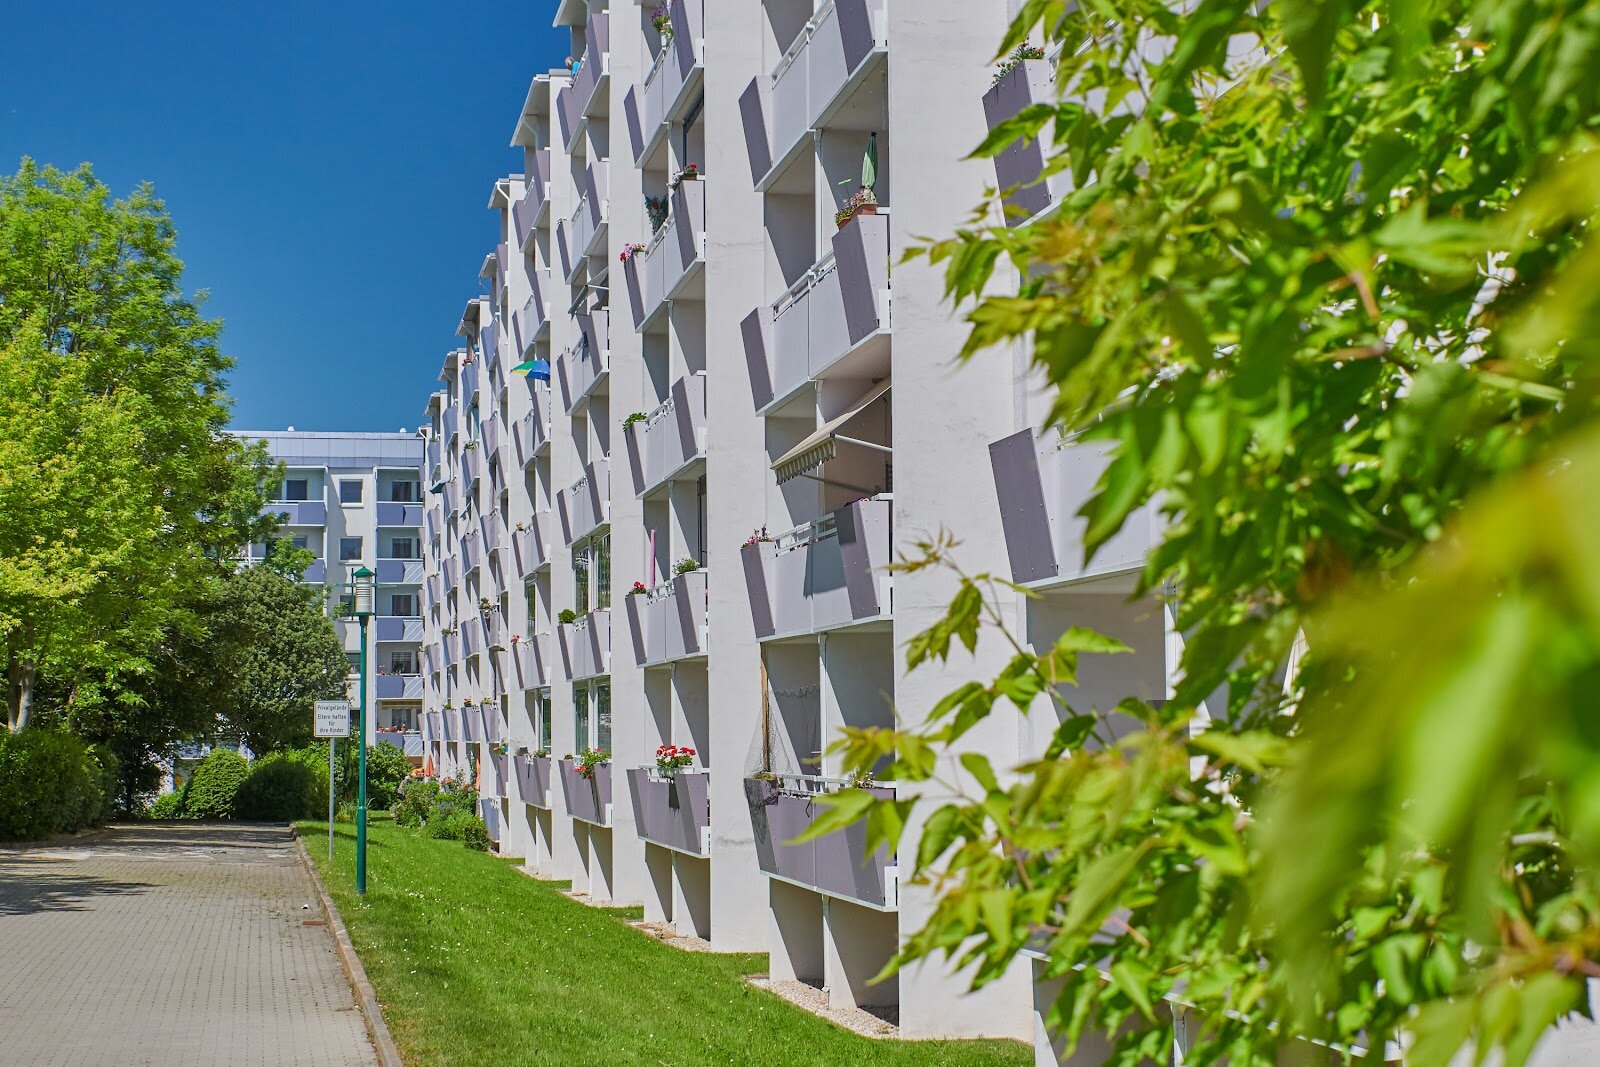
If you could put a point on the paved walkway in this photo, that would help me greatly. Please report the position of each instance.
(171, 945)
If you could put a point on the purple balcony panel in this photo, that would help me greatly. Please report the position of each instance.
(668, 623)
(672, 812)
(316, 572)
(393, 514)
(588, 799)
(453, 728)
(472, 723)
(299, 512)
(826, 574)
(837, 864)
(568, 112)
(1042, 488)
(564, 249)
(533, 779)
(586, 504)
(1016, 170)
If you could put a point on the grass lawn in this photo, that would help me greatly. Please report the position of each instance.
(475, 963)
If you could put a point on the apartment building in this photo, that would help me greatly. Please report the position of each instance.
(699, 405)
(355, 499)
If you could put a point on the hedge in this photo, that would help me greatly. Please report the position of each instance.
(213, 789)
(280, 788)
(50, 783)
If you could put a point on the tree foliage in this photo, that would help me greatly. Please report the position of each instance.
(1324, 281)
(120, 495)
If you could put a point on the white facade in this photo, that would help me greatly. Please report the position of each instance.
(355, 499)
(768, 393)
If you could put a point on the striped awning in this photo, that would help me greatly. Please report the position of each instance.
(823, 444)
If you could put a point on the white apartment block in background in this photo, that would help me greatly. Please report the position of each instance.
(751, 402)
(354, 499)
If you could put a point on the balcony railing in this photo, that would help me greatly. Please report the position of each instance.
(1042, 486)
(489, 438)
(448, 422)
(669, 622)
(569, 114)
(398, 572)
(588, 222)
(397, 628)
(822, 575)
(829, 56)
(668, 89)
(489, 526)
(399, 686)
(837, 864)
(532, 432)
(673, 812)
(676, 251)
(470, 553)
(530, 547)
(527, 211)
(586, 645)
(468, 378)
(585, 505)
(671, 437)
(494, 630)
(581, 367)
(298, 512)
(316, 572)
(536, 661)
(533, 779)
(834, 321)
(588, 799)
(1016, 170)
(395, 514)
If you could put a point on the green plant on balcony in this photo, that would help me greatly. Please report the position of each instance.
(686, 565)
(637, 416)
(589, 759)
(670, 759)
(485, 605)
(467, 703)
(661, 19)
(657, 209)
(469, 446)
(637, 588)
(758, 537)
(567, 616)
(1018, 55)
(689, 173)
(629, 250)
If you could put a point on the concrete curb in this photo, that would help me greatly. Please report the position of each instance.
(382, 1043)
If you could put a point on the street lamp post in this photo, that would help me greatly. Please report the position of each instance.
(363, 590)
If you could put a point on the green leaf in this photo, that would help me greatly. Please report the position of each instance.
(839, 810)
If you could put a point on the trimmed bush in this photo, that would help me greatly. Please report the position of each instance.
(48, 785)
(167, 806)
(386, 769)
(281, 789)
(213, 789)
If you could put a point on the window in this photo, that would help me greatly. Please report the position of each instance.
(403, 662)
(301, 541)
(296, 489)
(405, 492)
(580, 580)
(349, 549)
(531, 595)
(403, 604)
(541, 719)
(350, 490)
(353, 657)
(602, 716)
(403, 717)
(580, 716)
(602, 571)
(347, 607)
(405, 548)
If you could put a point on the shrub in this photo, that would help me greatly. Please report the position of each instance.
(475, 835)
(167, 806)
(214, 787)
(461, 824)
(386, 769)
(416, 802)
(48, 785)
(106, 770)
(281, 789)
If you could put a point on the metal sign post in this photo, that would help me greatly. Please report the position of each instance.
(332, 720)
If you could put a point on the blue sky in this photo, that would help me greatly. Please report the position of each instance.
(327, 165)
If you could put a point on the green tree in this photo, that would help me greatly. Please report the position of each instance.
(1326, 283)
(121, 494)
(279, 653)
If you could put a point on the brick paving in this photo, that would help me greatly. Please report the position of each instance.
(171, 945)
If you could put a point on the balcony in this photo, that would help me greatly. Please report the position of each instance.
(833, 322)
(673, 812)
(564, 247)
(589, 84)
(588, 799)
(489, 336)
(533, 779)
(298, 512)
(435, 520)
(434, 592)
(471, 464)
(399, 572)
(587, 227)
(535, 661)
(470, 553)
(585, 505)
(489, 526)
(451, 569)
(452, 496)
(397, 628)
(581, 368)
(497, 788)
(1016, 170)
(530, 547)
(448, 422)
(451, 723)
(823, 575)
(490, 438)
(586, 645)
(527, 212)
(316, 572)
(669, 622)
(494, 630)
(451, 644)
(399, 686)
(391, 513)
(669, 264)
(472, 723)
(669, 87)
(569, 114)
(531, 433)
(533, 320)
(671, 438)
(837, 864)
(1042, 486)
(468, 378)
(832, 54)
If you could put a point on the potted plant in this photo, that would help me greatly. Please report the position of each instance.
(670, 759)
(637, 588)
(661, 19)
(1018, 55)
(864, 201)
(589, 760)
(686, 565)
(637, 416)
(516, 639)
(567, 616)
(469, 446)
(629, 250)
(689, 173)
(484, 605)
(757, 537)
(656, 209)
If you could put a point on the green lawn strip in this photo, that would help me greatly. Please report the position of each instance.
(475, 963)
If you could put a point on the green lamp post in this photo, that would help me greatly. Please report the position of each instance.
(363, 590)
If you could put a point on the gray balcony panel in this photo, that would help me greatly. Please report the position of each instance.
(1017, 168)
(686, 619)
(756, 560)
(631, 119)
(498, 761)
(755, 329)
(788, 106)
(757, 142)
(841, 42)
(630, 273)
(393, 514)
(533, 779)
(489, 810)
(828, 335)
(688, 30)
(299, 512)
(1042, 488)
(588, 799)
(316, 573)
(689, 209)
(472, 723)
(864, 549)
(824, 575)
(672, 812)
(861, 255)
(563, 250)
(838, 864)
(633, 606)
